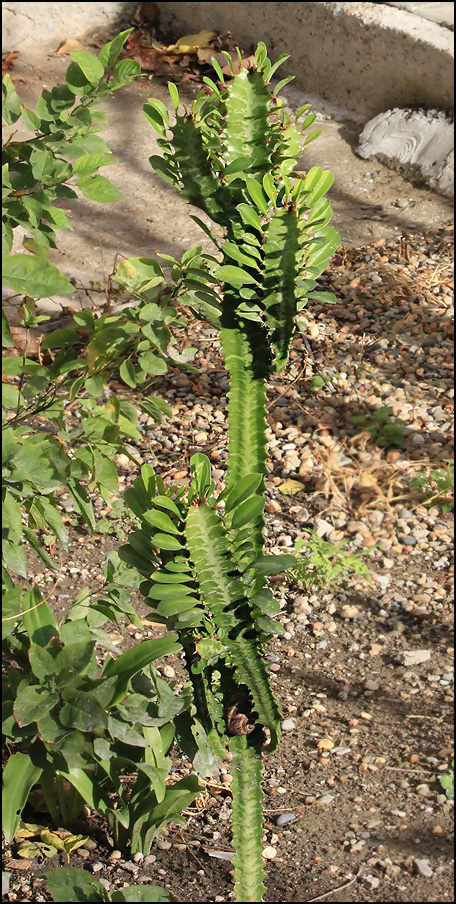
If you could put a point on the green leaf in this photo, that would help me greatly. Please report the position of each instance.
(257, 195)
(19, 777)
(67, 883)
(142, 893)
(234, 276)
(325, 297)
(124, 72)
(273, 564)
(76, 81)
(32, 276)
(41, 661)
(162, 521)
(250, 216)
(83, 712)
(174, 95)
(99, 188)
(7, 339)
(109, 54)
(165, 541)
(247, 511)
(12, 107)
(31, 120)
(72, 661)
(32, 703)
(82, 502)
(92, 68)
(89, 163)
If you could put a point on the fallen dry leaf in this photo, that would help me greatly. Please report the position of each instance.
(68, 46)
(290, 487)
(190, 43)
(8, 60)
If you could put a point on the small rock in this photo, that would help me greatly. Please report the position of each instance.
(349, 612)
(168, 671)
(370, 882)
(423, 790)
(285, 818)
(163, 845)
(371, 685)
(402, 203)
(288, 725)
(326, 799)
(269, 852)
(322, 527)
(325, 744)
(96, 867)
(422, 868)
(414, 657)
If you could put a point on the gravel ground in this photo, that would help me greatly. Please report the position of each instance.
(354, 810)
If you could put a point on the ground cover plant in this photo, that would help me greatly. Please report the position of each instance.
(65, 724)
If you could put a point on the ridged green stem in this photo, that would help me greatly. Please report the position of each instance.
(247, 820)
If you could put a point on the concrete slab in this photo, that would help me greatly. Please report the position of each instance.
(418, 142)
(441, 13)
(364, 58)
(25, 24)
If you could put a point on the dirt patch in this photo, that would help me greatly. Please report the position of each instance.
(363, 816)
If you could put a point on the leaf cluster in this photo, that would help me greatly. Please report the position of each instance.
(59, 162)
(71, 884)
(76, 730)
(384, 428)
(438, 486)
(232, 155)
(325, 564)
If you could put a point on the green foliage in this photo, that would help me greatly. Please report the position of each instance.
(447, 782)
(62, 159)
(326, 564)
(437, 486)
(76, 730)
(384, 428)
(70, 884)
(232, 155)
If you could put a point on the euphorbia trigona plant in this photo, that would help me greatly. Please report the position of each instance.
(232, 154)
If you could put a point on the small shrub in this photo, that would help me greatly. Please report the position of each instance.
(326, 564)
(447, 782)
(437, 487)
(384, 428)
(76, 731)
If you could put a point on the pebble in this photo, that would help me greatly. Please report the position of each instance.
(370, 882)
(326, 799)
(288, 725)
(414, 657)
(285, 818)
(349, 612)
(269, 852)
(422, 868)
